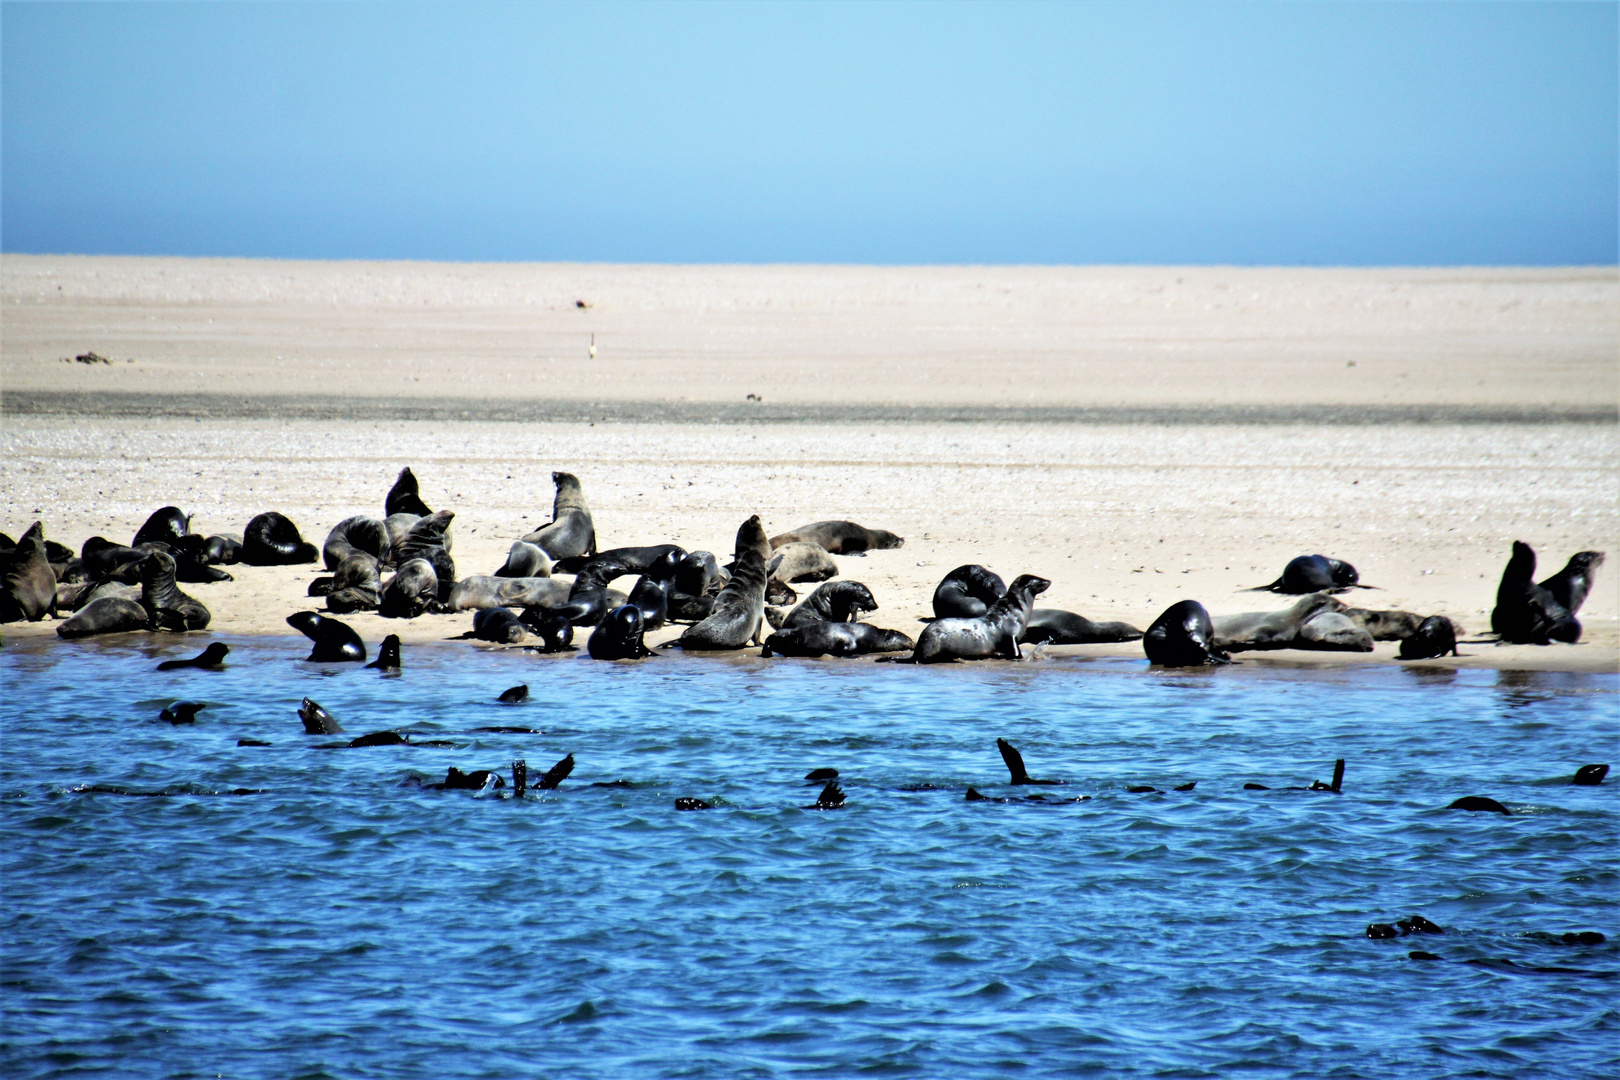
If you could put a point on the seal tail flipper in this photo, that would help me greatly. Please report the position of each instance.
(1338, 775)
(557, 774)
(831, 797)
(520, 778)
(1014, 760)
(1275, 586)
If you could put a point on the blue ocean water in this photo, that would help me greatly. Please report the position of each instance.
(342, 923)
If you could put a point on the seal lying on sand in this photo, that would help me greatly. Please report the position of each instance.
(410, 592)
(357, 585)
(1527, 613)
(524, 559)
(1314, 573)
(485, 591)
(839, 537)
(995, 633)
(801, 562)
(1435, 636)
(635, 560)
(836, 601)
(967, 592)
(1051, 626)
(104, 615)
(27, 582)
(352, 536)
(429, 539)
(835, 639)
(271, 539)
(1183, 637)
(571, 531)
(1314, 622)
(739, 610)
(405, 497)
(497, 624)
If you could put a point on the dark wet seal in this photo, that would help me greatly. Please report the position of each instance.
(212, 658)
(556, 774)
(1015, 764)
(317, 721)
(615, 783)
(182, 712)
(974, 795)
(1590, 775)
(1509, 967)
(1574, 937)
(520, 778)
(1419, 954)
(1417, 924)
(387, 655)
(456, 780)
(514, 695)
(504, 730)
(1338, 779)
(1144, 789)
(1187, 786)
(380, 738)
(165, 794)
(821, 774)
(1479, 803)
(250, 742)
(692, 804)
(1380, 931)
(925, 787)
(831, 798)
(1255, 787)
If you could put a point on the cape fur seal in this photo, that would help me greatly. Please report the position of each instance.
(651, 593)
(1051, 626)
(405, 497)
(571, 531)
(27, 582)
(523, 560)
(967, 592)
(429, 539)
(554, 629)
(316, 720)
(1527, 613)
(486, 591)
(357, 585)
(213, 658)
(835, 639)
(839, 537)
(1314, 573)
(271, 539)
(1435, 636)
(497, 624)
(635, 560)
(335, 641)
(104, 615)
(836, 601)
(387, 655)
(739, 610)
(801, 562)
(1314, 622)
(1571, 585)
(995, 633)
(410, 592)
(619, 635)
(1183, 637)
(354, 536)
(1014, 761)
(167, 608)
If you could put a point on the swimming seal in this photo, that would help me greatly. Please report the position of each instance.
(182, 712)
(967, 592)
(335, 642)
(835, 639)
(1183, 637)
(1570, 586)
(499, 625)
(410, 591)
(1314, 622)
(486, 591)
(387, 655)
(1434, 637)
(1051, 626)
(995, 633)
(1589, 775)
(167, 608)
(27, 582)
(355, 536)
(514, 695)
(317, 721)
(836, 601)
(831, 798)
(271, 539)
(619, 636)
(1527, 613)
(104, 615)
(739, 610)
(1314, 573)
(212, 657)
(1480, 803)
(524, 560)
(405, 497)
(570, 531)
(839, 537)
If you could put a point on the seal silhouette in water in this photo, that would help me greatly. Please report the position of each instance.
(967, 592)
(831, 798)
(387, 655)
(1590, 775)
(182, 712)
(1015, 764)
(405, 497)
(334, 641)
(1183, 637)
(515, 695)
(271, 539)
(212, 657)
(995, 633)
(1314, 573)
(1478, 803)
(1527, 613)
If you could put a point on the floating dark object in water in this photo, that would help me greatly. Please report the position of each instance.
(250, 742)
(380, 738)
(514, 695)
(556, 774)
(1590, 775)
(1187, 786)
(1015, 764)
(211, 657)
(692, 804)
(477, 780)
(317, 721)
(520, 778)
(1380, 931)
(1338, 779)
(831, 798)
(1255, 787)
(1143, 789)
(615, 783)
(1419, 954)
(387, 655)
(821, 774)
(182, 712)
(1479, 803)
(1417, 924)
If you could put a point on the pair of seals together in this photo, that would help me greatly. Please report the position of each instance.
(968, 592)
(1530, 614)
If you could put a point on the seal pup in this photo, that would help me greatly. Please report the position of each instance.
(739, 610)
(1015, 765)
(1571, 585)
(387, 655)
(167, 608)
(357, 585)
(525, 560)
(487, 591)
(1314, 573)
(1183, 636)
(410, 591)
(967, 592)
(1527, 613)
(836, 601)
(497, 624)
(104, 615)
(317, 721)
(212, 658)
(554, 629)
(1435, 636)
(405, 497)
(27, 582)
(1314, 622)
(839, 537)
(1052, 626)
(352, 536)
(271, 539)
(995, 633)
(835, 639)
(619, 636)
(801, 562)
(335, 642)
(570, 531)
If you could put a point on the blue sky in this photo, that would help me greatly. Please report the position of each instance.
(1304, 133)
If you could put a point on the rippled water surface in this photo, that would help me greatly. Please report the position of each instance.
(341, 922)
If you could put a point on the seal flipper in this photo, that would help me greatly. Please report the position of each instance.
(520, 778)
(1014, 760)
(831, 798)
(556, 774)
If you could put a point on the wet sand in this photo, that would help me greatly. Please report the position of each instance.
(1181, 451)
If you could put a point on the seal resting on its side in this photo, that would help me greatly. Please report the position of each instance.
(967, 592)
(839, 537)
(1314, 573)
(739, 610)
(836, 601)
(410, 591)
(995, 633)
(335, 642)
(1051, 626)
(357, 585)
(835, 639)
(271, 539)
(801, 562)
(104, 615)
(497, 624)
(1314, 622)
(486, 591)
(352, 536)
(1527, 613)
(570, 531)
(1183, 637)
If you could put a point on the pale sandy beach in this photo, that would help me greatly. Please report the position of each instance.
(1138, 435)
